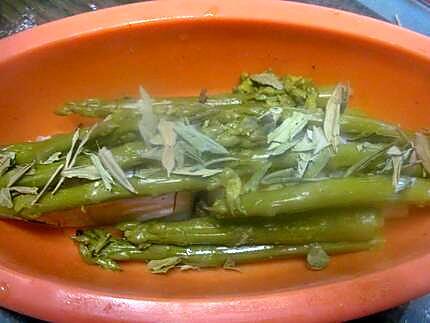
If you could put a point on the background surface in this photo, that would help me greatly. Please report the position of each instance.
(18, 15)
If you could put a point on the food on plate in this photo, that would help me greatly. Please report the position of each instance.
(277, 168)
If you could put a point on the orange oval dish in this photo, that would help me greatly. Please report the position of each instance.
(178, 47)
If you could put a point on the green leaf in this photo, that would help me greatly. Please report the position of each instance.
(303, 160)
(162, 266)
(114, 169)
(52, 159)
(6, 160)
(197, 171)
(145, 173)
(252, 184)
(268, 79)
(103, 173)
(233, 190)
(220, 160)
(5, 198)
(198, 140)
(317, 258)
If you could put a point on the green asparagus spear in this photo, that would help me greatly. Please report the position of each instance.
(325, 225)
(128, 155)
(100, 247)
(336, 192)
(95, 192)
(116, 125)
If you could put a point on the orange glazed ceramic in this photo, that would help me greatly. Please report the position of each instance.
(176, 48)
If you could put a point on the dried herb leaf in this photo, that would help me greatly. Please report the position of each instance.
(144, 173)
(220, 160)
(197, 171)
(363, 163)
(198, 140)
(283, 137)
(52, 159)
(85, 172)
(168, 135)
(280, 176)
(203, 96)
(331, 124)
(404, 183)
(48, 183)
(162, 266)
(24, 190)
(317, 258)
(18, 173)
(5, 198)
(317, 163)
(319, 140)
(252, 184)
(188, 267)
(396, 159)
(6, 160)
(422, 147)
(148, 122)
(114, 169)
(103, 173)
(269, 79)
(303, 160)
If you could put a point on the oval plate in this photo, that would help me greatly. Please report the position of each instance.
(176, 48)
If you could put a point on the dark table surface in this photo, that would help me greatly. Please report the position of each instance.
(16, 16)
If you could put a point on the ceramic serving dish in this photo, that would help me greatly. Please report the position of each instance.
(176, 48)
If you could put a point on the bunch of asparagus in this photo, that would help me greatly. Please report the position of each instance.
(275, 169)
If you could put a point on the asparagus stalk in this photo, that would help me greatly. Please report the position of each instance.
(335, 192)
(116, 126)
(325, 225)
(128, 156)
(95, 192)
(99, 247)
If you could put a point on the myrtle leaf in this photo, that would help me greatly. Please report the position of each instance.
(162, 266)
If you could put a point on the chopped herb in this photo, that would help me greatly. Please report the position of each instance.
(319, 140)
(317, 163)
(103, 173)
(148, 122)
(268, 79)
(363, 163)
(404, 183)
(422, 147)
(6, 161)
(252, 184)
(396, 159)
(114, 169)
(317, 258)
(24, 190)
(85, 172)
(5, 198)
(198, 140)
(19, 172)
(331, 124)
(48, 183)
(197, 171)
(52, 159)
(162, 266)
(168, 135)
(280, 176)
